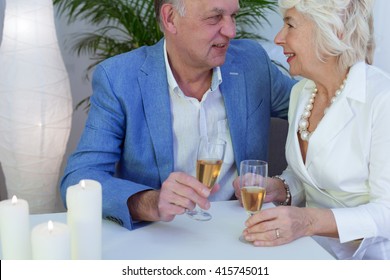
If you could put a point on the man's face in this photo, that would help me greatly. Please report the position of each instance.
(204, 32)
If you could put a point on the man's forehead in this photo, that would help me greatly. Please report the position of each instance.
(216, 6)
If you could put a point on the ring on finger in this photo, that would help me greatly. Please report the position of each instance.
(277, 233)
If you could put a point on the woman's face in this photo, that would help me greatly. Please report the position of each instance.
(297, 39)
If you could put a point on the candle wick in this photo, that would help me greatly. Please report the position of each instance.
(50, 226)
(14, 200)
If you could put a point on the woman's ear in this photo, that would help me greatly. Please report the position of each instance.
(168, 15)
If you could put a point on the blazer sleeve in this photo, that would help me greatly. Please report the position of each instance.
(372, 219)
(99, 151)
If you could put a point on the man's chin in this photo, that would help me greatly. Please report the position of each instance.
(218, 61)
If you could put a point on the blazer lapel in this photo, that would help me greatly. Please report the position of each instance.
(340, 113)
(330, 126)
(155, 95)
(292, 146)
(235, 104)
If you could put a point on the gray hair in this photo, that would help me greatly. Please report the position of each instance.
(344, 28)
(178, 4)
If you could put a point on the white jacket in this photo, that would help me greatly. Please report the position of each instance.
(347, 165)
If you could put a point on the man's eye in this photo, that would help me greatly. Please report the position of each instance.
(214, 19)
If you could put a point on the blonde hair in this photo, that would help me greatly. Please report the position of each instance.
(344, 28)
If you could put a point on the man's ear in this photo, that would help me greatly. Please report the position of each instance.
(168, 15)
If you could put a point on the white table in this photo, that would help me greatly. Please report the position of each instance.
(187, 239)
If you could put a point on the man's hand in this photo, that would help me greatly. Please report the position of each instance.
(179, 192)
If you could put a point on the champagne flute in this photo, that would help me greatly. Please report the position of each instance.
(211, 152)
(253, 179)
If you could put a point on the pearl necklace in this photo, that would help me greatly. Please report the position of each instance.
(304, 121)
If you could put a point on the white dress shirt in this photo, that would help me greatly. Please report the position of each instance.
(193, 119)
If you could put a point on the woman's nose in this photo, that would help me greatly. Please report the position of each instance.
(279, 38)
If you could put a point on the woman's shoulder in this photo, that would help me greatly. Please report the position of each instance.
(377, 77)
(300, 86)
(296, 91)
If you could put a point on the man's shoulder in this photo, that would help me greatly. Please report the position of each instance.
(133, 57)
(247, 52)
(247, 49)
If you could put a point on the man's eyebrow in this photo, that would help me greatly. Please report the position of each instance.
(218, 10)
(221, 11)
(287, 18)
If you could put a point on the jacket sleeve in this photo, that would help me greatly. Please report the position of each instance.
(99, 152)
(372, 219)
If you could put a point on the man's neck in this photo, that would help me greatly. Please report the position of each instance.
(193, 84)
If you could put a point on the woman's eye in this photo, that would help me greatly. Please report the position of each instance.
(289, 25)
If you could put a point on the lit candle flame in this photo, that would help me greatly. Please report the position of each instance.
(14, 200)
(82, 183)
(50, 226)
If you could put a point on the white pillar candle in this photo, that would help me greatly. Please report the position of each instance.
(50, 241)
(15, 229)
(84, 203)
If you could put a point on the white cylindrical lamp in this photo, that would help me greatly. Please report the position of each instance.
(36, 104)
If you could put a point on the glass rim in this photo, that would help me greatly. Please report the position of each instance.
(255, 162)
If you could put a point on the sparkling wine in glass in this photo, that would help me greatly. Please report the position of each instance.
(252, 199)
(253, 179)
(208, 166)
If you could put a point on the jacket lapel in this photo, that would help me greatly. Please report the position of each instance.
(155, 95)
(235, 104)
(298, 101)
(330, 127)
(340, 113)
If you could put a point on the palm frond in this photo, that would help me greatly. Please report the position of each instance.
(253, 15)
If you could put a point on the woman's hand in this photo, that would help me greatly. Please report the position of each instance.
(283, 224)
(277, 226)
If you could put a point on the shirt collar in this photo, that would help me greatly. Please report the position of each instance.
(216, 79)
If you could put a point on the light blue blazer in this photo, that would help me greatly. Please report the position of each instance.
(127, 143)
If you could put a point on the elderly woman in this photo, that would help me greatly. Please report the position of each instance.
(338, 144)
